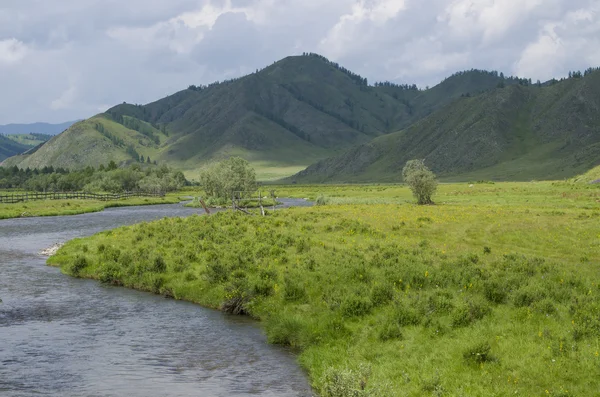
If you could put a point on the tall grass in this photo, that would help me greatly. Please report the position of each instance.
(388, 300)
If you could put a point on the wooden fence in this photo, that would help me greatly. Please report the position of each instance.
(29, 196)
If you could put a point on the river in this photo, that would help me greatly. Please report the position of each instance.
(61, 336)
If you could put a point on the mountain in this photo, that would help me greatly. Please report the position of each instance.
(283, 118)
(518, 132)
(10, 148)
(36, 128)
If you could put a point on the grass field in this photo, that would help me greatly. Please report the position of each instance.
(74, 207)
(494, 291)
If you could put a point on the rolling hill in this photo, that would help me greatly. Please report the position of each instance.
(283, 118)
(518, 132)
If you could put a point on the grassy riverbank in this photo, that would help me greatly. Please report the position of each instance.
(74, 207)
(494, 291)
(266, 203)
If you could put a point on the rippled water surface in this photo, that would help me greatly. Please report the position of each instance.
(62, 336)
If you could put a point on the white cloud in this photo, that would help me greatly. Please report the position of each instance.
(142, 50)
(357, 25)
(488, 19)
(12, 51)
(66, 99)
(570, 42)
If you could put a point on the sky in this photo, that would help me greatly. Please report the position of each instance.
(70, 59)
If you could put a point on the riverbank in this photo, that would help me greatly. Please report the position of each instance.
(479, 296)
(75, 207)
(266, 203)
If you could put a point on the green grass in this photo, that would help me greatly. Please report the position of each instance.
(29, 139)
(494, 291)
(74, 207)
(592, 175)
(266, 202)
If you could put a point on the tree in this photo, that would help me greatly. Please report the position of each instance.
(421, 181)
(112, 166)
(221, 179)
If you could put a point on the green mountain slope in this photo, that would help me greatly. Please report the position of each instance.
(9, 148)
(93, 142)
(516, 132)
(592, 176)
(283, 118)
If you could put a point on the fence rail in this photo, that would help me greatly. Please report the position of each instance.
(29, 196)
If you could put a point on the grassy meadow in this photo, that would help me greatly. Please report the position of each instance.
(493, 291)
(74, 207)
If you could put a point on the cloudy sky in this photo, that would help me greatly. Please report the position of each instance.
(67, 59)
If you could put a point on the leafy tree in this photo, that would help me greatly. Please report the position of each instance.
(112, 166)
(421, 181)
(221, 179)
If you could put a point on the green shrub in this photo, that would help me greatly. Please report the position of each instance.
(126, 259)
(78, 265)
(159, 265)
(440, 302)
(382, 294)
(528, 295)
(216, 273)
(190, 276)
(390, 330)
(545, 306)
(110, 273)
(321, 200)
(479, 353)
(338, 382)
(264, 287)
(284, 330)
(293, 291)
(406, 316)
(356, 306)
(468, 312)
(495, 291)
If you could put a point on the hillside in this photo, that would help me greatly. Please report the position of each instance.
(511, 133)
(283, 118)
(36, 128)
(592, 176)
(95, 141)
(31, 139)
(10, 148)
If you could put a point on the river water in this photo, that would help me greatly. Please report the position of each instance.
(61, 336)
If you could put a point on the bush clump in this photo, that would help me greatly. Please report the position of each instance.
(338, 382)
(479, 353)
(468, 312)
(78, 265)
(322, 200)
(421, 181)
